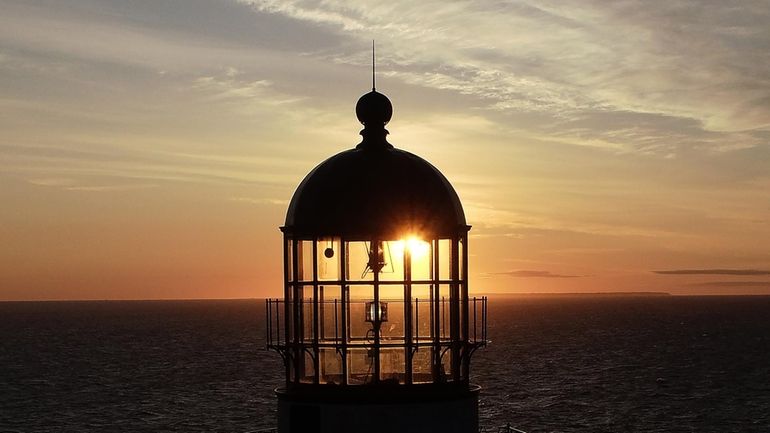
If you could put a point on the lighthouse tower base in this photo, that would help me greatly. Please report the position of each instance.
(364, 409)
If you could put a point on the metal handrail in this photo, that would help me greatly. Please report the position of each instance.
(276, 322)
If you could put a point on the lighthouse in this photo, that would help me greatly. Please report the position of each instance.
(376, 328)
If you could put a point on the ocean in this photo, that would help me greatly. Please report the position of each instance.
(556, 364)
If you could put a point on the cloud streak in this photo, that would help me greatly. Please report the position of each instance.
(623, 59)
(740, 272)
(535, 274)
(733, 284)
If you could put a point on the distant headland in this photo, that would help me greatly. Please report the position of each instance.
(558, 294)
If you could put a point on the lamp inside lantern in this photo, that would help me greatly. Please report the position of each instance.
(374, 316)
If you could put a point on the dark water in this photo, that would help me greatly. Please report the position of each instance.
(558, 364)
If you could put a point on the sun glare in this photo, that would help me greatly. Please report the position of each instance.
(417, 248)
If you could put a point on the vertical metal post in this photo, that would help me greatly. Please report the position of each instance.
(466, 359)
(417, 322)
(443, 317)
(336, 335)
(376, 324)
(278, 322)
(407, 314)
(435, 313)
(454, 311)
(484, 318)
(475, 338)
(296, 313)
(321, 313)
(286, 305)
(315, 321)
(344, 309)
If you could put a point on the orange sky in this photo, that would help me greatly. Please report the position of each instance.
(150, 150)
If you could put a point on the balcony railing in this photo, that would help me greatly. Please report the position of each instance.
(430, 323)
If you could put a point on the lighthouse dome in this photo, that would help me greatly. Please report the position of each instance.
(374, 189)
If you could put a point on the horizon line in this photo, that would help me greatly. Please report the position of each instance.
(493, 294)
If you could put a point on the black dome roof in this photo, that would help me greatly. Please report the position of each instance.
(375, 190)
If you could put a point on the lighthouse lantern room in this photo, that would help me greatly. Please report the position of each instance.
(376, 328)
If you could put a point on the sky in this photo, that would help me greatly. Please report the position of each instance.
(149, 149)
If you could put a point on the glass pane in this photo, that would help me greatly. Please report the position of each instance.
(422, 312)
(360, 366)
(444, 311)
(392, 292)
(422, 259)
(392, 365)
(329, 259)
(289, 323)
(392, 254)
(444, 259)
(392, 329)
(331, 367)
(308, 371)
(357, 259)
(305, 259)
(359, 329)
(422, 365)
(307, 312)
(330, 312)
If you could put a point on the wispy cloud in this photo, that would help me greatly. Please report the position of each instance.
(581, 135)
(622, 59)
(186, 37)
(260, 200)
(747, 272)
(535, 274)
(618, 76)
(233, 84)
(110, 188)
(733, 284)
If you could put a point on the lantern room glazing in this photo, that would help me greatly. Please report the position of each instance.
(375, 271)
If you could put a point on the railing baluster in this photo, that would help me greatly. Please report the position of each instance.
(475, 337)
(443, 318)
(417, 320)
(336, 334)
(278, 322)
(485, 320)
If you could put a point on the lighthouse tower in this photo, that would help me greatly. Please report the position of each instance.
(376, 328)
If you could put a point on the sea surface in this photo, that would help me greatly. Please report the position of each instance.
(556, 364)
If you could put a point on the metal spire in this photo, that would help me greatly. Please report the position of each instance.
(373, 87)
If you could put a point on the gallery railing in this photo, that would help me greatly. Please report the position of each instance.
(430, 323)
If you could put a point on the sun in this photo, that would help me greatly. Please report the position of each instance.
(417, 248)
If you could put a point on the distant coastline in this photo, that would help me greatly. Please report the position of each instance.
(558, 294)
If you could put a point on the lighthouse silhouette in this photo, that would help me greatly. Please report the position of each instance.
(376, 328)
